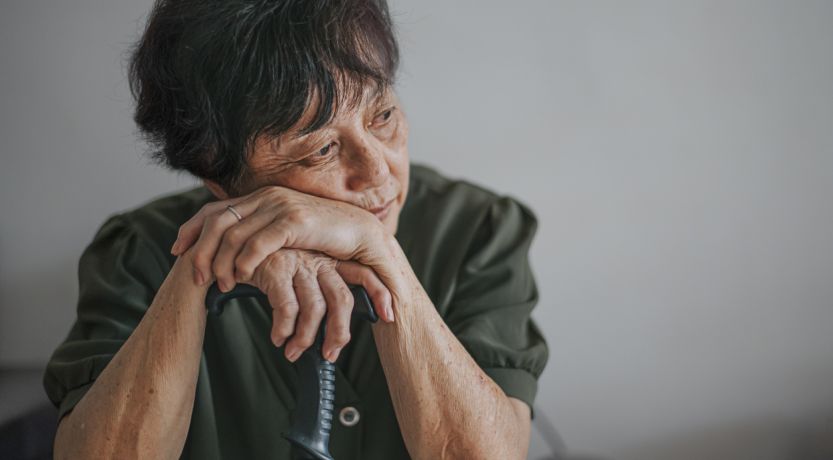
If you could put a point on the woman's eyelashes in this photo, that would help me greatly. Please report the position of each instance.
(323, 154)
(382, 126)
(383, 123)
(384, 117)
(323, 151)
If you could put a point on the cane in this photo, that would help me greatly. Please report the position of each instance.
(309, 429)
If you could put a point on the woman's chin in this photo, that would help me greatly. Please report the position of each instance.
(389, 219)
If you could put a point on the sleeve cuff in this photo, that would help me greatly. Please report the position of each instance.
(71, 399)
(516, 383)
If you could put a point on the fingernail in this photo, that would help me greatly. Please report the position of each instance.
(175, 248)
(222, 286)
(389, 311)
(294, 355)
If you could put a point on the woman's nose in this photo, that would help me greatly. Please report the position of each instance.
(369, 167)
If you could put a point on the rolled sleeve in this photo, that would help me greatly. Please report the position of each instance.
(495, 295)
(118, 278)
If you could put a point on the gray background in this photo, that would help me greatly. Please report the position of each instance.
(679, 156)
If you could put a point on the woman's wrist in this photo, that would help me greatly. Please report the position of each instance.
(182, 279)
(389, 261)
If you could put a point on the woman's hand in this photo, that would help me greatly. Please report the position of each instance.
(274, 217)
(302, 286)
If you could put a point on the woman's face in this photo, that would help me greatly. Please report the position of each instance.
(360, 157)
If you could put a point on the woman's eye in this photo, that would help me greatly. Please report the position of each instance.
(324, 151)
(384, 117)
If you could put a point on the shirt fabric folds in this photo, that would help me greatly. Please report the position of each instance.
(468, 247)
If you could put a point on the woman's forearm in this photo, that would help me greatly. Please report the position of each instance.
(446, 406)
(140, 406)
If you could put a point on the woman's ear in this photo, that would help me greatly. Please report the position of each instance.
(215, 189)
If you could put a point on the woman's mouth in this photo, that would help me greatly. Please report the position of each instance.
(382, 211)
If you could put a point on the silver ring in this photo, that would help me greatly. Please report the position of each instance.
(234, 211)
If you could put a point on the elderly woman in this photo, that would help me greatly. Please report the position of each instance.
(286, 111)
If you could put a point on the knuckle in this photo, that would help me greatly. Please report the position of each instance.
(286, 311)
(263, 276)
(216, 266)
(340, 336)
(200, 260)
(317, 308)
(327, 263)
(366, 273)
(283, 329)
(256, 245)
(305, 340)
(281, 302)
(212, 219)
(242, 269)
(283, 258)
(207, 208)
(344, 297)
(241, 262)
(297, 216)
(305, 268)
(270, 190)
(270, 263)
(233, 236)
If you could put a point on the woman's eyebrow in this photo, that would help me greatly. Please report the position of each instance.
(289, 144)
(379, 94)
(371, 99)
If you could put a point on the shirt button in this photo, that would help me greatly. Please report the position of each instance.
(349, 416)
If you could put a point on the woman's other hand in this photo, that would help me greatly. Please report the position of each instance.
(303, 286)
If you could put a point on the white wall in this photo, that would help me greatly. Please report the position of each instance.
(679, 156)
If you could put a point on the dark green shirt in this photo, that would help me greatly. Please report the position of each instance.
(468, 246)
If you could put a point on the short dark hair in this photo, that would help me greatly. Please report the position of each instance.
(210, 76)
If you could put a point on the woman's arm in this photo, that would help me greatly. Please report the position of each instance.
(140, 406)
(447, 407)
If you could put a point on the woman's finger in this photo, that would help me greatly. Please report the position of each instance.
(274, 278)
(311, 306)
(356, 273)
(339, 308)
(190, 231)
(267, 240)
(231, 242)
(206, 245)
(214, 225)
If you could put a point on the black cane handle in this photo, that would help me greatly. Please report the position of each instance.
(312, 420)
